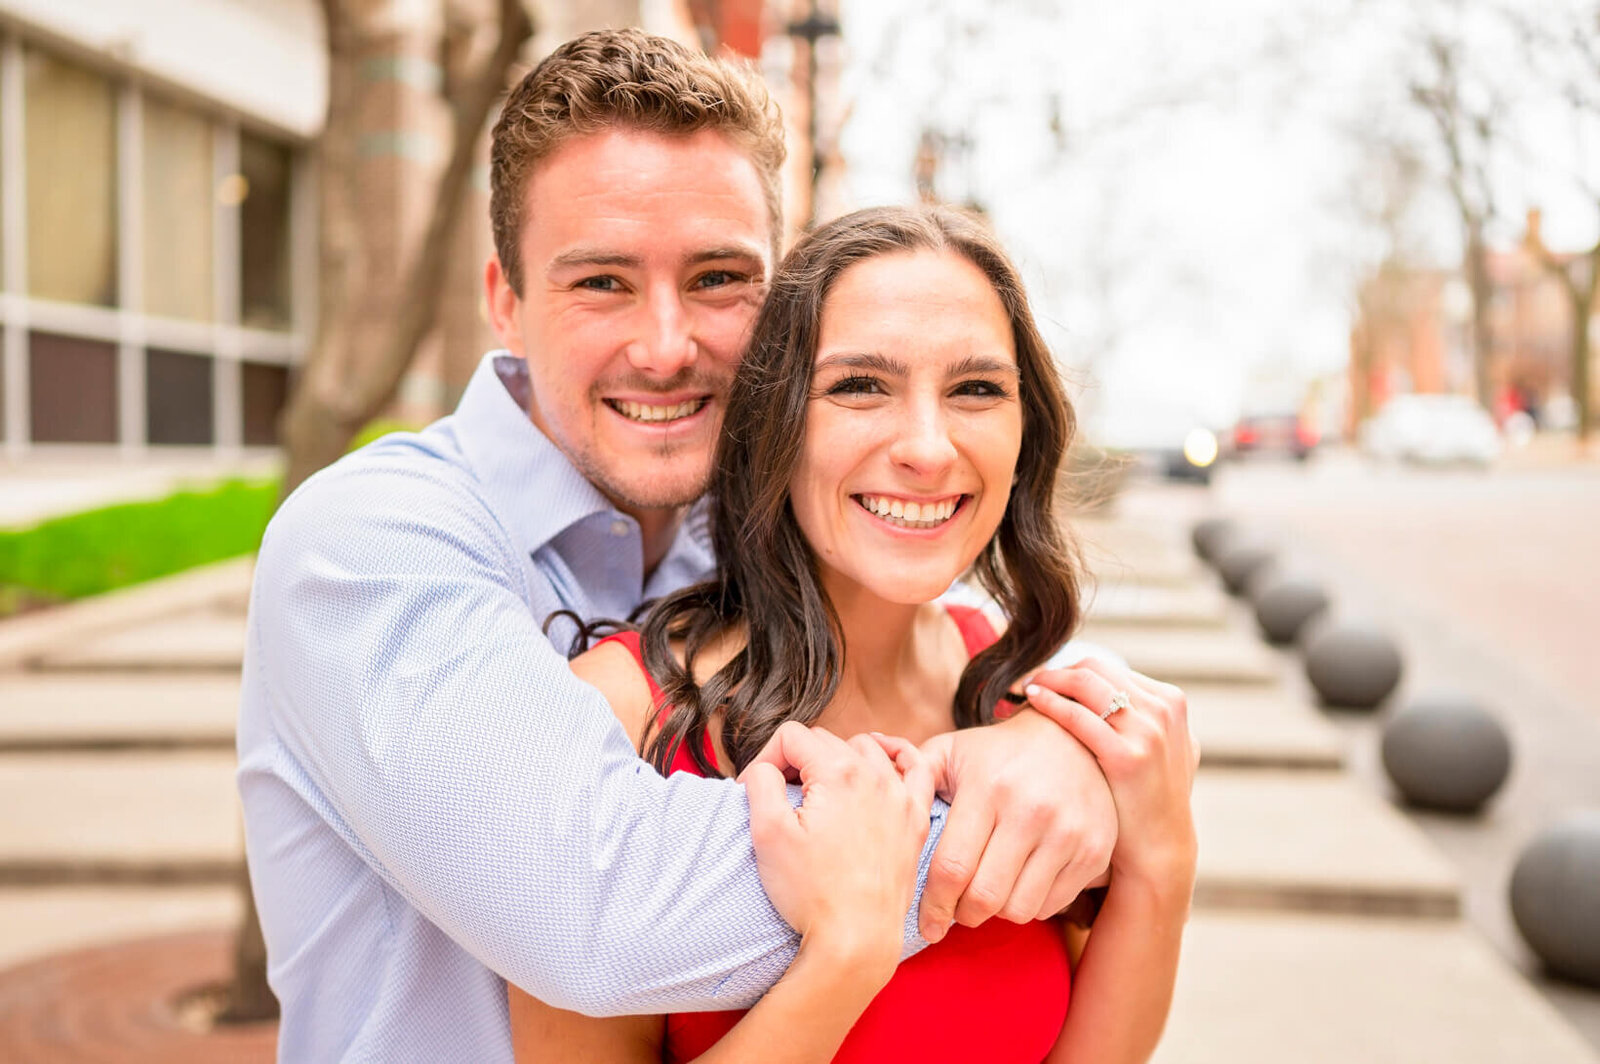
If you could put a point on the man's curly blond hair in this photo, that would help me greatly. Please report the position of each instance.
(625, 79)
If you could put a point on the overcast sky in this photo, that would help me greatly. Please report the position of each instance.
(1192, 233)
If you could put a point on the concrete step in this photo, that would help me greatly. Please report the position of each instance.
(1313, 842)
(1185, 657)
(1269, 988)
(36, 921)
(224, 587)
(1112, 567)
(1260, 726)
(90, 711)
(1156, 606)
(209, 639)
(167, 817)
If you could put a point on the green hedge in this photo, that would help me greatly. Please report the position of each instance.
(98, 550)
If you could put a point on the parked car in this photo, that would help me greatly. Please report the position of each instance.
(1432, 430)
(1164, 439)
(1275, 432)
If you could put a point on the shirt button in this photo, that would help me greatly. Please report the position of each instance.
(619, 527)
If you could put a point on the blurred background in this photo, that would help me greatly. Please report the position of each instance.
(1239, 210)
(1328, 267)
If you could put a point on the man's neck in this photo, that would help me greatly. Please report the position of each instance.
(657, 530)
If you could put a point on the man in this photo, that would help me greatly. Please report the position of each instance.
(432, 801)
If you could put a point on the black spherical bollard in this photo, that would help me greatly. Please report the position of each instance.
(1555, 897)
(1351, 667)
(1209, 534)
(1446, 753)
(1239, 561)
(1285, 605)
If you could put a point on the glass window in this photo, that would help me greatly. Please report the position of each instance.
(264, 233)
(265, 390)
(72, 385)
(177, 211)
(177, 397)
(71, 148)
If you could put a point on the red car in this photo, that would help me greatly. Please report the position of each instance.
(1287, 434)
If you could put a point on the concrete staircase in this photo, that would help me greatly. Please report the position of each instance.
(1326, 927)
(116, 765)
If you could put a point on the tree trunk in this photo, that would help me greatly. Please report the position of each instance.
(1478, 281)
(250, 999)
(355, 364)
(1582, 310)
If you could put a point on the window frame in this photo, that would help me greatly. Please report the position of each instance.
(133, 331)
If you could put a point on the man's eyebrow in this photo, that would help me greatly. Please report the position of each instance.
(865, 360)
(593, 257)
(731, 251)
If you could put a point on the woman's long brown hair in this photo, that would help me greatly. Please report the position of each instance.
(767, 579)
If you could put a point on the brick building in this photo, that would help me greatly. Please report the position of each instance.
(1413, 333)
(158, 209)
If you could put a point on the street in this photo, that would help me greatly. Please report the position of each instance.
(1490, 582)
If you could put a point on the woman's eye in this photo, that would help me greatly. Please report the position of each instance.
(983, 389)
(855, 386)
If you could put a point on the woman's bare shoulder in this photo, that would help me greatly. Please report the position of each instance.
(612, 668)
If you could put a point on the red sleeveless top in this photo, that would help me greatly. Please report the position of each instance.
(996, 993)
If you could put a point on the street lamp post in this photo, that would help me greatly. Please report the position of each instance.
(814, 27)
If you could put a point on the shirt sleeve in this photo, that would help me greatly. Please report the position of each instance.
(464, 763)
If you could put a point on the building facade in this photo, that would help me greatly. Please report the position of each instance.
(158, 208)
(155, 227)
(1413, 333)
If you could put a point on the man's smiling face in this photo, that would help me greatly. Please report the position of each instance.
(644, 261)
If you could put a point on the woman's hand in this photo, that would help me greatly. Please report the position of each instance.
(842, 868)
(1146, 752)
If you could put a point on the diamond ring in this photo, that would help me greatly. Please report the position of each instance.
(1119, 701)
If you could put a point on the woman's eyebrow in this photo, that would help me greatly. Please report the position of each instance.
(984, 364)
(866, 360)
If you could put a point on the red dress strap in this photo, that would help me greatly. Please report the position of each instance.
(976, 631)
(633, 643)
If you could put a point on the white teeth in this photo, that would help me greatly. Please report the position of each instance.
(644, 412)
(909, 514)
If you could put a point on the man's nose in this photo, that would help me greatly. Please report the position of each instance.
(665, 344)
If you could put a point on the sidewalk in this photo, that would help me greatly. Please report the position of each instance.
(1326, 926)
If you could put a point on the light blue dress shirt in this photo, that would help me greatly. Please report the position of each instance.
(432, 801)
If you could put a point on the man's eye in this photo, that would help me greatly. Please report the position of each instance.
(856, 386)
(600, 284)
(719, 278)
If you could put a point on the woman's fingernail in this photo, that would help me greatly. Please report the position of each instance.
(1032, 690)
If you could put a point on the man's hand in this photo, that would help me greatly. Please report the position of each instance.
(1031, 823)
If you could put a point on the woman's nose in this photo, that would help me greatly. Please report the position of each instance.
(922, 442)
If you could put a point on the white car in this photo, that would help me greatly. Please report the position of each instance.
(1432, 430)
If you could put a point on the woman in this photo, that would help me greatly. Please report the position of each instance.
(897, 422)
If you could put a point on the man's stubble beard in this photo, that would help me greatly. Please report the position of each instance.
(639, 496)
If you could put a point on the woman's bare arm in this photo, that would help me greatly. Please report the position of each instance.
(1139, 733)
(1122, 984)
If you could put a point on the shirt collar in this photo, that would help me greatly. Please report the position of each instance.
(535, 488)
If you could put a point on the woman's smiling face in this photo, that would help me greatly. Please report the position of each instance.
(913, 428)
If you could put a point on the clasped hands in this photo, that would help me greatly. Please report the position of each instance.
(1032, 819)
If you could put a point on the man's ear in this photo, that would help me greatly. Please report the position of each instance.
(503, 304)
